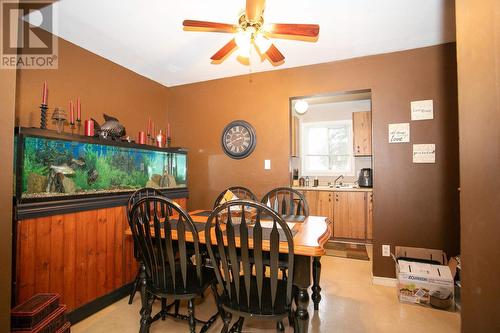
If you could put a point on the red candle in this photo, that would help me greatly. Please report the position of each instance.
(89, 127)
(71, 113)
(159, 140)
(44, 93)
(168, 130)
(149, 126)
(142, 137)
(78, 110)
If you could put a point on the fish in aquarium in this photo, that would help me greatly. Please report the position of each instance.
(77, 163)
(92, 176)
(56, 177)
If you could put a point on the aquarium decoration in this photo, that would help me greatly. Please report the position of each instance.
(53, 167)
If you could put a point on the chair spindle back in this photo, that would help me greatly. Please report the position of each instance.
(231, 263)
(240, 191)
(287, 201)
(161, 228)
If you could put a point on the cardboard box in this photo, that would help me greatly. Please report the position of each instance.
(423, 277)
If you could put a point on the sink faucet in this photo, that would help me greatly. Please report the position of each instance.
(336, 179)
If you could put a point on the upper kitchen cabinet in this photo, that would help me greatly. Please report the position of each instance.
(362, 133)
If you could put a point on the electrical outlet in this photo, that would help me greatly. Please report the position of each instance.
(267, 164)
(386, 250)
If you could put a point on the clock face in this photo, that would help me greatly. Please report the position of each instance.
(238, 139)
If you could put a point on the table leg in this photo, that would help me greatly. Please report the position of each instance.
(302, 281)
(301, 313)
(316, 289)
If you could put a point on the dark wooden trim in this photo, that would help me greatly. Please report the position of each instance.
(50, 134)
(98, 304)
(71, 204)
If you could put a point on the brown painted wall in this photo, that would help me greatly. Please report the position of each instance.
(7, 107)
(103, 86)
(415, 205)
(478, 53)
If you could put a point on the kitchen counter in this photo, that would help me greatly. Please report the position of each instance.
(333, 189)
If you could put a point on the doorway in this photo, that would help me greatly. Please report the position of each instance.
(331, 163)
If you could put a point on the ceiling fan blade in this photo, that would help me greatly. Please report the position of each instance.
(274, 54)
(225, 50)
(304, 30)
(209, 26)
(254, 9)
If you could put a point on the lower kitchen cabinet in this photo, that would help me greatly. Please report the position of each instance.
(369, 215)
(320, 203)
(325, 204)
(349, 215)
(351, 212)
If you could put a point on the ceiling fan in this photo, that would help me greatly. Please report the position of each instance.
(251, 31)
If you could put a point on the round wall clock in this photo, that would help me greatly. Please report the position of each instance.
(238, 139)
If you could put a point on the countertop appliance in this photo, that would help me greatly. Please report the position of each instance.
(365, 178)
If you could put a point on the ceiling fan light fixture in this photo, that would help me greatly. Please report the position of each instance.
(301, 106)
(243, 40)
(262, 42)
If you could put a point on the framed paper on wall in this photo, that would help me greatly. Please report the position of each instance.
(399, 133)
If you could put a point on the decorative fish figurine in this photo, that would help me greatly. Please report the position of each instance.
(111, 129)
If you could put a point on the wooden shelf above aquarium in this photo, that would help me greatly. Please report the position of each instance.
(51, 134)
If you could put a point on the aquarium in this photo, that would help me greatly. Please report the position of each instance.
(52, 167)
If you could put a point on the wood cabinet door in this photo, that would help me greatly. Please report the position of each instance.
(312, 201)
(341, 228)
(357, 214)
(325, 204)
(349, 215)
(362, 133)
(369, 215)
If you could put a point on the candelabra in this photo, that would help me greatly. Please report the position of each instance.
(43, 116)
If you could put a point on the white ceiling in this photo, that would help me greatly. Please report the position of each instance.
(148, 38)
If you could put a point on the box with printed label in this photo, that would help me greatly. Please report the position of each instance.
(423, 280)
(417, 282)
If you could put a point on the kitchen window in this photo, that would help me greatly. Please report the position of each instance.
(327, 148)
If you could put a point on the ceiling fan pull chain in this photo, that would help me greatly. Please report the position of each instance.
(250, 67)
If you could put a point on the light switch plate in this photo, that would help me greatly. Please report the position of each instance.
(386, 250)
(267, 164)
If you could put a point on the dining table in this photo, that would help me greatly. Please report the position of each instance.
(310, 235)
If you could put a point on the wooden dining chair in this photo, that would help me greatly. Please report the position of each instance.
(166, 271)
(136, 196)
(287, 201)
(240, 191)
(245, 288)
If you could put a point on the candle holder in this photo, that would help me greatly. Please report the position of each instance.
(78, 125)
(169, 142)
(43, 116)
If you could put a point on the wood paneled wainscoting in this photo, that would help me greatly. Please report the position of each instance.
(84, 256)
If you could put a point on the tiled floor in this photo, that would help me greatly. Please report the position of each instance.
(350, 304)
